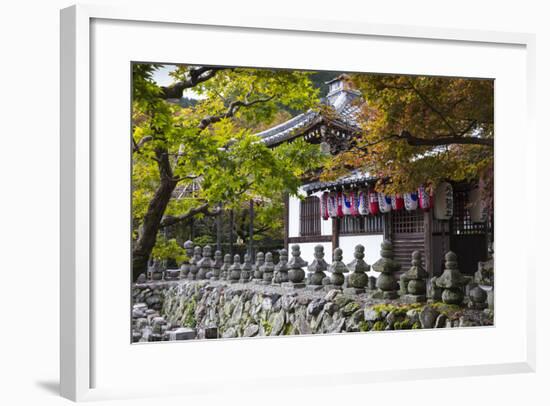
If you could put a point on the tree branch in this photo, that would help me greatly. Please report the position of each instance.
(415, 141)
(138, 145)
(196, 76)
(432, 107)
(202, 209)
(232, 109)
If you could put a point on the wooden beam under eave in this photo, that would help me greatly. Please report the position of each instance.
(285, 220)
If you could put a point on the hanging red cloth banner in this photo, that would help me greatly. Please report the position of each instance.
(397, 202)
(384, 203)
(363, 203)
(332, 205)
(424, 198)
(411, 201)
(324, 206)
(339, 205)
(373, 203)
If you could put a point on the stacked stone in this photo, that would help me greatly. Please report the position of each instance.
(358, 279)
(205, 263)
(188, 246)
(478, 298)
(413, 282)
(281, 270)
(226, 266)
(235, 270)
(216, 267)
(194, 268)
(172, 273)
(260, 259)
(296, 274)
(451, 281)
(267, 269)
(246, 269)
(157, 270)
(387, 267)
(337, 269)
(317, 268)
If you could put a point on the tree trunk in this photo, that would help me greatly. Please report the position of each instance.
(152, 219)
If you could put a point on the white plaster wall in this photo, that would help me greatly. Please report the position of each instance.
(307, 249)
(370, 242)
(294, 216)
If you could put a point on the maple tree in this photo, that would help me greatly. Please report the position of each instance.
(420, 130)
(209, 144)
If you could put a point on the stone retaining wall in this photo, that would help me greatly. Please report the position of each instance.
(181, 310)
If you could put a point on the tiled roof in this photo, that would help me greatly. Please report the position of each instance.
(355, 178)
(343, 102)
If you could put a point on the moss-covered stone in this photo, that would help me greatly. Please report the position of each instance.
(363, 326)
(379, 326)
(350, 308)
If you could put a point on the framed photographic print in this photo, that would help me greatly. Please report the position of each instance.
(283, 190)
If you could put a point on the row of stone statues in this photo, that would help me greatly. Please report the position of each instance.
(411, 286)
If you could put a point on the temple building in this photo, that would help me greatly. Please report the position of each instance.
(349, 211)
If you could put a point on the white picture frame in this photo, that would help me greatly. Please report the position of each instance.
(77, 345)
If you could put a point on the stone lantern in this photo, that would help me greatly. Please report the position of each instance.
(246, 269)
(235, 269)
(337, 269)
(267, 269)
(205, 264)
(296, 274)
(413, 282)
(358, 279)
(451, 281)
(216, 267)
(188, 246)
(387, 267)
(225, 267)
(193, 268)
(317, 268)
(260, 259)
(281, 269)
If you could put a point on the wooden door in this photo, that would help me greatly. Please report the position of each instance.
(407, 235)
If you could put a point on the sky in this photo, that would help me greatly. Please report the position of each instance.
(163, 78)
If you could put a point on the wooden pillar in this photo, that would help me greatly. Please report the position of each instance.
(286, 220)
(387, 226)
(335, 233)
(192, 229)
(428, 221)
(231, 226)
(251, 230)
(219, 228)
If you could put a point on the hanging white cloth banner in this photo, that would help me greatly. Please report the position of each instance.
(346, 204)
(354, 199)
(411, 201)
(443, 201)
(332, 205)
(384, 202)
(363, 203)
(424, 198)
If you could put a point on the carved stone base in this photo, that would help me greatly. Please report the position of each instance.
(354, 291)
(314, 287)
(293, 285)
(414, 298)
(390, 294)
